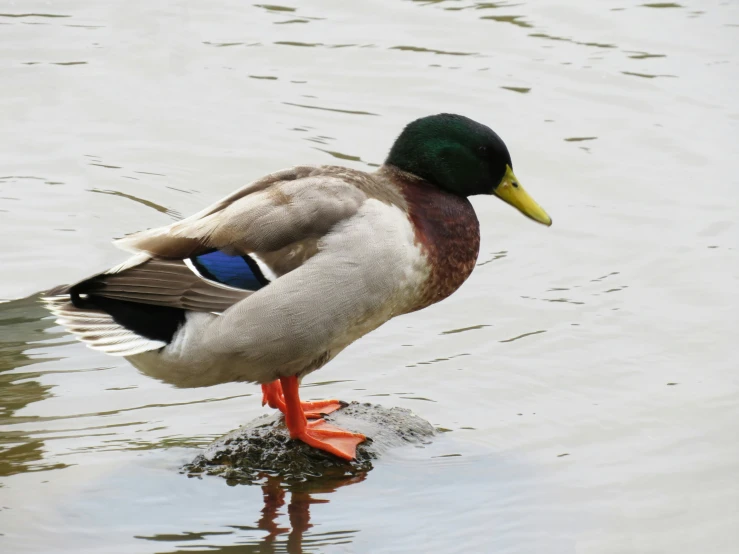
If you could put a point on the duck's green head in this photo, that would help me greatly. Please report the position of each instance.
(463, 157)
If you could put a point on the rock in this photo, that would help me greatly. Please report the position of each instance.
(263, 447)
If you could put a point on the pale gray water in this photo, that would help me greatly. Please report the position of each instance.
(592, 390)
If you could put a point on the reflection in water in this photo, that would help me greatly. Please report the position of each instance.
(337, 110)
(19, 15)
(579, 139)
(275, 491)
(431, 50)
(22, 323)
(513, 19)
(496, 256)
(341, 156)
(150, 204)
(274, 8)
(295, 43)
(463, 329)
(644, 55)
(524, 335)
(565, 39)
(521, 90)
(662, 5)
(645, 75)
(298, 509)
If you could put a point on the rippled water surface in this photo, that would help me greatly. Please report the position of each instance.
(586, 373)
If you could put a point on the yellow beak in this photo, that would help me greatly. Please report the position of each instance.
(510, 191)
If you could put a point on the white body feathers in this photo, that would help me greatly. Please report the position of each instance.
(344, 255)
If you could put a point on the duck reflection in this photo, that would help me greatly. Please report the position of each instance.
(24, 325)
(275, 490)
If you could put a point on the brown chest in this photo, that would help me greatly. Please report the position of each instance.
(448, 232)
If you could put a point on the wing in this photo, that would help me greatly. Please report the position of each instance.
(219, 256)
(172, 283)
(339, 259)
(295, 206)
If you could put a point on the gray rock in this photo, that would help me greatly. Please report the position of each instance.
(263, 447)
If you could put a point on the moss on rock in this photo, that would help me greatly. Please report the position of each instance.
(263, 447)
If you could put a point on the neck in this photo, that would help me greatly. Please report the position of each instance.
(446, 230)
(397, 175)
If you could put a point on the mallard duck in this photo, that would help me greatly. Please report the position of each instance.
(273, 281)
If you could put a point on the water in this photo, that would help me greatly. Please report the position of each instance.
(585, 372)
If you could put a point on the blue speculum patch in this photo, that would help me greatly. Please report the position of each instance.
(235, 271)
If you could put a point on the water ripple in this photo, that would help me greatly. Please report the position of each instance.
(353, 112)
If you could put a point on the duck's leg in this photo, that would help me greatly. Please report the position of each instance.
(272, 395)
(317, 434)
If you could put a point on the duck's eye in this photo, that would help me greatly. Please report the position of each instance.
(515, 184)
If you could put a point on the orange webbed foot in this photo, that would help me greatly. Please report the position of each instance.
(317, 433)
(319, 408)
(329, 438)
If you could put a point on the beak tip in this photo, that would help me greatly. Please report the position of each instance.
(543, 219)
